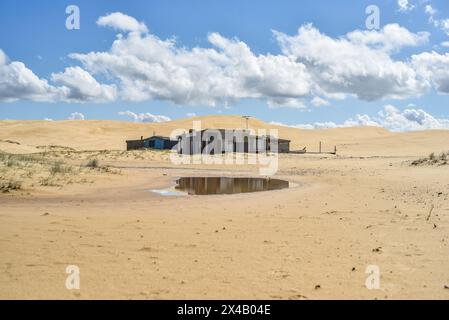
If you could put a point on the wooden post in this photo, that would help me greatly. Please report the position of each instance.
(335, 150)
(320, 146)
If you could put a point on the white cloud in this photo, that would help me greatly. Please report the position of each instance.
(313, 67)
(435, 68)
(150, 68)
(359, 63)
(391, 38)
(282, 102)
(410, 120)
(79, 86)
(443, 24)
(445, 44)
(405, 6)
(19, 82)
(76, 85)
(3, 58)
(430, 10)
(318, 102)
(191, 114)
(390, 118)
(122, 22)
(144, 117)
(76, 116)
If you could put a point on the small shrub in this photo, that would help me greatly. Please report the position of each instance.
(48, 182)
(11, 163)
(56, 168)
(7, 186)
(59, 167)
(93, 163)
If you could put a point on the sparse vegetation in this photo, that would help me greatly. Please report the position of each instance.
(49, 169)
(432, 160)
(10, 185)
(59, 167)
(48, 182)
(93, 163)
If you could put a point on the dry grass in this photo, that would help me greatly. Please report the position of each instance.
(47, 169)
(433, 160)
(10, 185)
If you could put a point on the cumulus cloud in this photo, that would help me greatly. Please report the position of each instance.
(405, 5)
(144, 117)
(19, 82)
(430, 10)
(359, 63)
(75, 85)
(151, 68)
(390, 118)
(281, 102)
(79, 86)
(435, 68)
(76, 116)
(312, 66)
(122, 22)
(410, 120)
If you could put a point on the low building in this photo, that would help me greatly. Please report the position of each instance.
(283, 145)
(210, 141)
(154, 142)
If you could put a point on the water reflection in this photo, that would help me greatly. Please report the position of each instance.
(227, 185)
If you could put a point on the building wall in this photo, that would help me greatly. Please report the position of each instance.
(134, 144)
(284, 146)
(187, 144)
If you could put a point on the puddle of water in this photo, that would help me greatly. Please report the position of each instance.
(168, 193)
(228, 185)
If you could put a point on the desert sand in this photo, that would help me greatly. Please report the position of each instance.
(369, 205)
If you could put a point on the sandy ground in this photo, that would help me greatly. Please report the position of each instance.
(367, 206)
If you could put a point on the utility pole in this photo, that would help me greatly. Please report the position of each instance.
(246, 118)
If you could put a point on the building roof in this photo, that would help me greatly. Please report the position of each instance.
(150, 138)
(158, 137)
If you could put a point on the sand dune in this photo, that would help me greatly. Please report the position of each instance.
(97, 135)
(369, 206)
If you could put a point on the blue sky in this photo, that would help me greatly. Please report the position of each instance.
(34, 33)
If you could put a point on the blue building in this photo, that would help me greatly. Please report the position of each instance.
(154, 142)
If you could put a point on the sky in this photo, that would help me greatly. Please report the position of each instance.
(307, 64)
